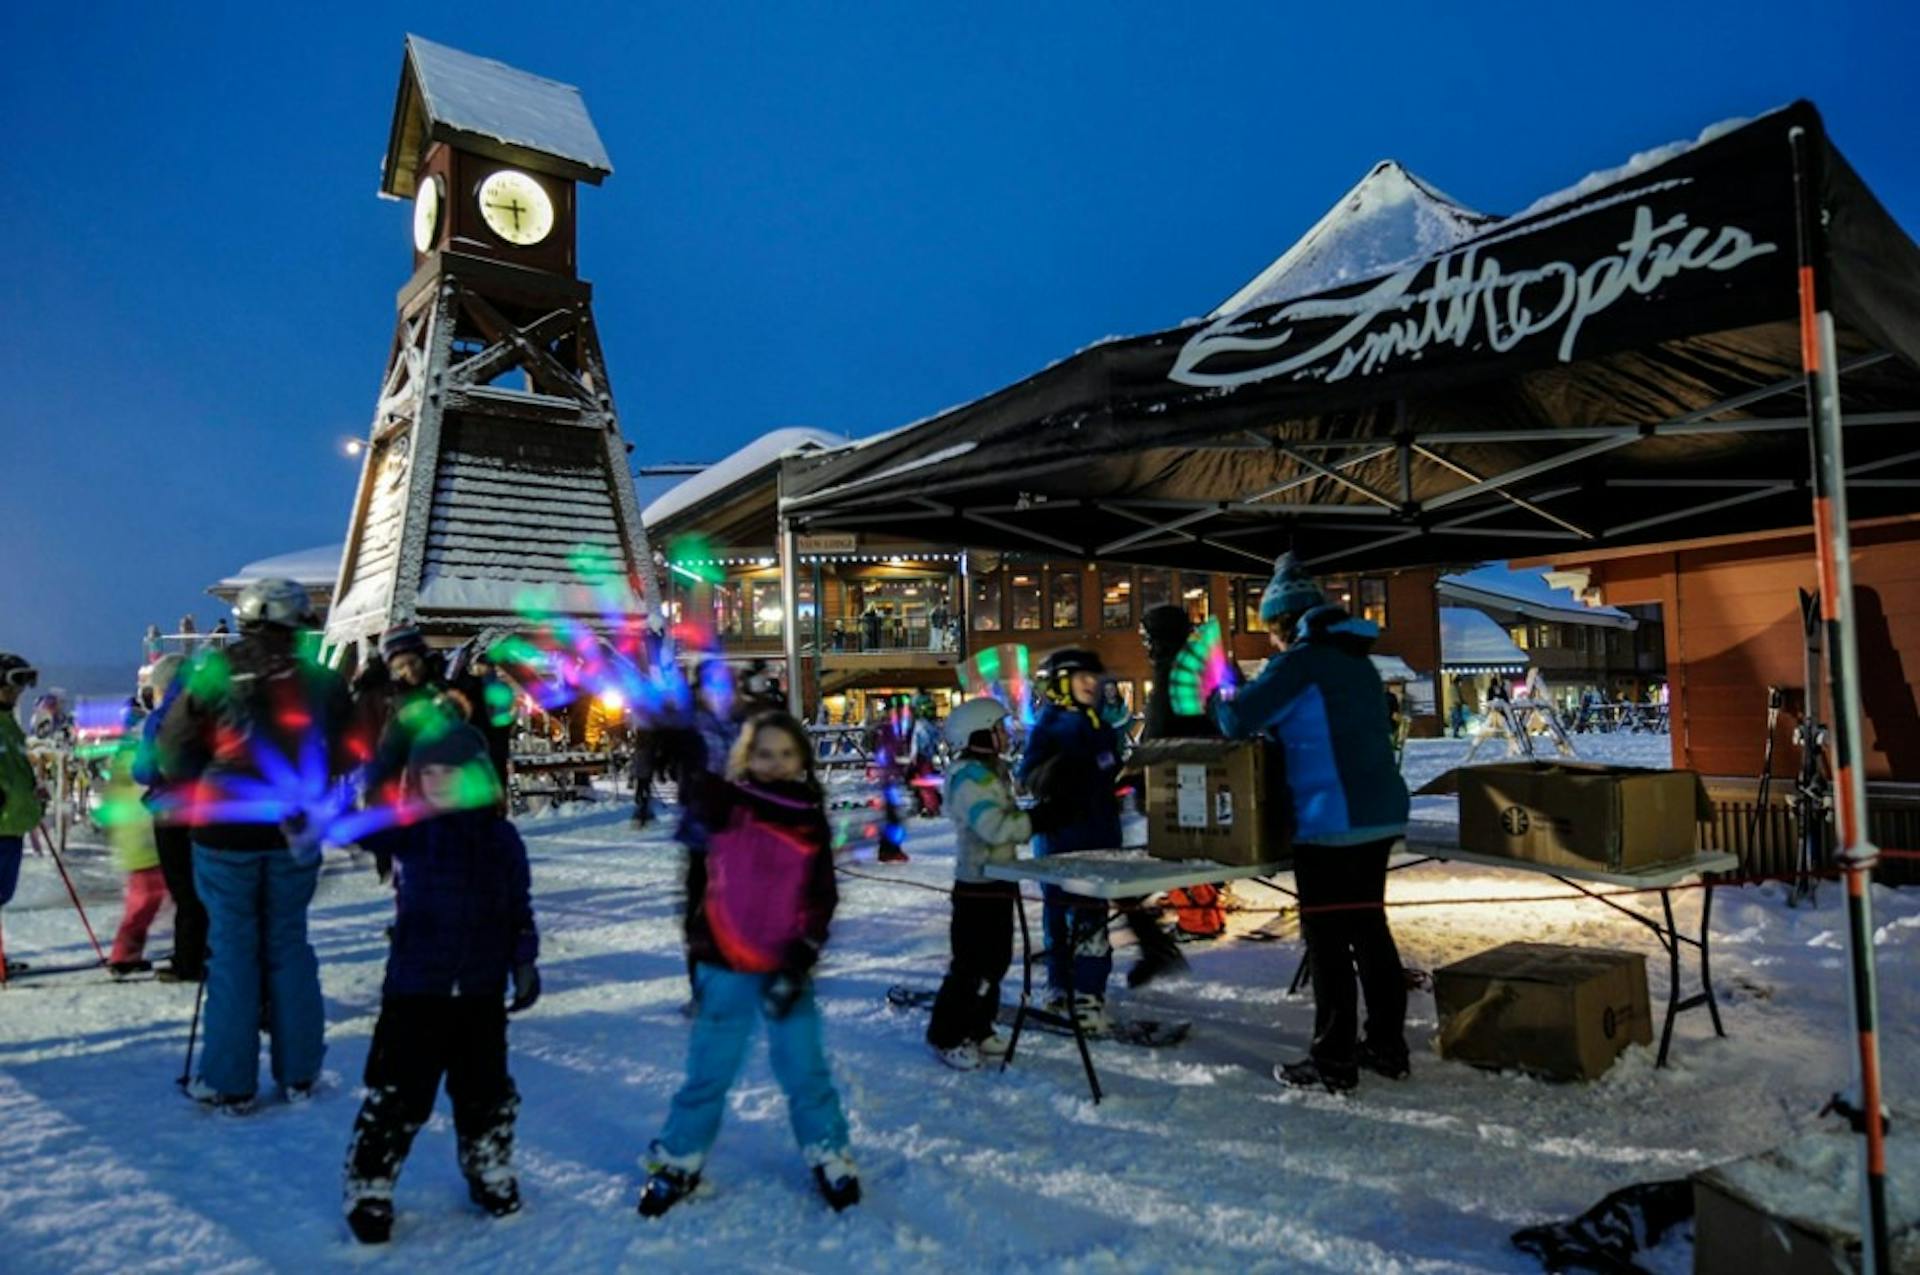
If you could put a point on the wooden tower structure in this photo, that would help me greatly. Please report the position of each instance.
(495, 483)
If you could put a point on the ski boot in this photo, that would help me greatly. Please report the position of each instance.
(1311, 1074)
(496, 1199)
(1394, 1064)
(371, 1221)
(127, 969)
(838, 1180)
(992, 1047)
(666, 1186)
(964, 1056)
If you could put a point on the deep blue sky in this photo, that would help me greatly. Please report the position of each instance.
(843, 217)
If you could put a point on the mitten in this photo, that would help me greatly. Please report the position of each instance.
(526, 987)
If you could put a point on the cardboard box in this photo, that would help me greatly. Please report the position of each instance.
(1795, 1210)
(1218, 799)
(1560, 1012)
(1570, 815)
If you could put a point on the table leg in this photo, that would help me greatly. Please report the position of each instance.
(1078, 932)
(1706, 971)
(1026, 981)
(1670, 939)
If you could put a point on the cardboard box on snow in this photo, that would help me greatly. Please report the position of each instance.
(1560, 1012)
(1795, 1210)
(1218, 799)
(1573, 815)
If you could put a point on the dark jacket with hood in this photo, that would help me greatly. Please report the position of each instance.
(1070, 764)
(1320, 699)
(252, 709)
(464, 916)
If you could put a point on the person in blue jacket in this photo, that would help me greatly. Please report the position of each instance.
(464, 932)
(1319, 698)
(1071, 761)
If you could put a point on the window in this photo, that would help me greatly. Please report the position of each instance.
(1248, 590)
(1116, 598)
(1023, 595)
(1196, 596)
(1156, 588)
(986, 601)
(763, 608)
(728, 609)
(1373, 600)
(1521, 635)
(1339, 591)
(1063, 593)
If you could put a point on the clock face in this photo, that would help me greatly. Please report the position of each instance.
(516, 207)
(426, 214)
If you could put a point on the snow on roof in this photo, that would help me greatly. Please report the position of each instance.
(740, 466)
(479, 98)
(313, 567)
(1640, 162)
(1390, 217)
(1470, 639)
(1529, 593)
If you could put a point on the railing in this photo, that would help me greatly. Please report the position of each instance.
(1768, 840)
(891, 639)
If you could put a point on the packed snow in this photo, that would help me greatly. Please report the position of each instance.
(1197, 1160)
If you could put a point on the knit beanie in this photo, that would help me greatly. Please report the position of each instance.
(1290, 592)
(455, 744)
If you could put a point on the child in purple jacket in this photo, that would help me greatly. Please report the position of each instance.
(464, 931)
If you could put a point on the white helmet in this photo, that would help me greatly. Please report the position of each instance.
(970, 718)
(276, 601)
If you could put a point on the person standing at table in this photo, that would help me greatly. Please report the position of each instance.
(1071, 762)
(1320, 698)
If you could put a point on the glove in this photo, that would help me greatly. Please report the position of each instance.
(782, 993)
(303, 838)
(526, 987)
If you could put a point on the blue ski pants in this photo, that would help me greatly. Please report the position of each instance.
(256, 904)
(729, 1008)
(10, 851)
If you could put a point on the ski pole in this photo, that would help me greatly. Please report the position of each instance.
(193, 1030)
(74, 894)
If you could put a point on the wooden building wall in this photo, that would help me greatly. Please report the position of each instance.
(1733, 629)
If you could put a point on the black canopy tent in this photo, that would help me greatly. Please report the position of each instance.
(1617, 367)
(1642, 359)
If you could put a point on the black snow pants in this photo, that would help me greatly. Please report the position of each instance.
(417, 1040)
(982, 937)
(175, 845)
(1346, 940)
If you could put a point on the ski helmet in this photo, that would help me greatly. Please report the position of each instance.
(15, 671)
(276, 601)
(970, 718)
(1057, 670)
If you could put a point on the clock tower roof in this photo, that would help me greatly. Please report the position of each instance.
(489, 108)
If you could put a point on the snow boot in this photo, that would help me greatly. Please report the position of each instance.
(175, 973)
(962, 1057)
(126, 969)
(1391, 1063)
(1311, 1074)
(665, 1187)
(486, 1159)
(382, 1136)
(227, 1104)
(301, 1094)
(838, 1181)
(1167, 962)
(371, 1220)
(992, 1047)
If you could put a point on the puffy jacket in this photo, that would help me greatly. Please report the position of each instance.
(1070, 765)
(465, 909)
(129, 826)
(1320, 699)
(741, 820)
(20, 808)
(989, 824)
(239, 703)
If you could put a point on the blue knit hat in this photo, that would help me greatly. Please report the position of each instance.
(1290, 592)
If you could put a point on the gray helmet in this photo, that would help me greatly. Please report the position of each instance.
(275, 601)
(15, 671)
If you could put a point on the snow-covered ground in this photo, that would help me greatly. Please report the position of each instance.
(1196, 1161)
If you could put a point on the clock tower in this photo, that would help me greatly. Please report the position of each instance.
(495, 485)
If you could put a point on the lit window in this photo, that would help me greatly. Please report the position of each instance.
(1116, 598)
(1064, 598)
(986, 601)
(1196, 597)
(729, 609)
(1023, 595)
(1156, 588)
(764, 612)
(1373, 600)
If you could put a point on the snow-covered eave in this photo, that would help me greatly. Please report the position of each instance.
(727, 478)
(1476, 596)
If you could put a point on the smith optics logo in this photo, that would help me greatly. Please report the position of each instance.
(1471, 302)
(1514, 821)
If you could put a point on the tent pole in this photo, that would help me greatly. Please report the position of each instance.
(1834, 561)
(790, 617)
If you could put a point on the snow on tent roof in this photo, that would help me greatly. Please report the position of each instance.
(317, 566)
(491, 108)
(761, 453)
(1531, 593)
(1471, 641)
(1391, 216)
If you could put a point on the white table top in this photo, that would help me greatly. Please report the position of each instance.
(1124, 874)
(1128, 874)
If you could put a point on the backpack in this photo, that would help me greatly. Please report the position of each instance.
(1197, 911)
(756, 895)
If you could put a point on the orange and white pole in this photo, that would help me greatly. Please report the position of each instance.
(1834, 559)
